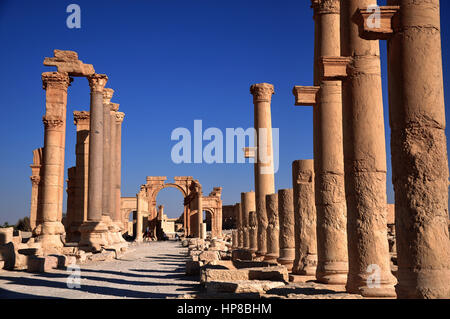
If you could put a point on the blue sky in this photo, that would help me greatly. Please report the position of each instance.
(170, 63)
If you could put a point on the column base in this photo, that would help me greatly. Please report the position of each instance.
(48, 234)
(287, 257)
(271, 258)
(426, 284)
(93, 236)
(358, 284)
(306, 267)
(332, 273)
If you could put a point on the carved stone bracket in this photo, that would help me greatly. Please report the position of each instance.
(377, 24)
(334, 68)
(305, 95)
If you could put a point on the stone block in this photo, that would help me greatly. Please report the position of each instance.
(278, 273)
(41, 264)
(6, 235)
(208, 256)
(241, 254)
(242, 286)
(64, 261)
(192, 268)
(252, 264)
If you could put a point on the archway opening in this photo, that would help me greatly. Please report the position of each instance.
(207, 218)
(170, 211)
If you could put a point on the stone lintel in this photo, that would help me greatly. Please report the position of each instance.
(305, 95)
(369, 29)
(334, 68)
(67, 62)
(249, 152)
(156, 178)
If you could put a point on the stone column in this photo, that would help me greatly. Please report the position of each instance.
(419, 151)
(139, 215)
(365, 160)
(240, 222)
(247, 205)
(287, 228)
(113, 156)
(234, 239)
(118, 168)
(264, 166)
(81, 120)
(253, 225)
(50, 230)
(70, 212)
(93, 231)
(273, 229)
(332, 256)
(200, 214)
(305, 218)
(36, 188)
(107, 147)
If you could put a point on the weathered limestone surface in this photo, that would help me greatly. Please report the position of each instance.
(242, 286)
(364, 159)
(305, 218)
(273, 229)
(67, 62)
(331, 224)
(36, 187)
(253, 223)
(276, 273)
(247, 205)
(419, 151)
(239, 216)
(50, 228)
(287, 228)
(93, 230)
(264, 170)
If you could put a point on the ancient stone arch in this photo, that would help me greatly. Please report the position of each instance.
(191, 190)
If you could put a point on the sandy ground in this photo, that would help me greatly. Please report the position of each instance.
(149, 270)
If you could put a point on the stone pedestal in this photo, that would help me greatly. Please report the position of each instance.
(419, 151)
(365, 161)
(264, 166)
(93, 231)
(305, 218)
(273, 229)
(287, 227)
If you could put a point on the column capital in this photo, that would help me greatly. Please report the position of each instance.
(119, 117)
(326, 6)
(57, 80)
(81, 117)
(114, 107)
(107, 95)
(97, 82)
(52, 121)
(262, 92)
(249, 152)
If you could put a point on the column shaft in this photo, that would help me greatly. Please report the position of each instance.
(247, 205)
(419, 151)
(305, 218)
(273, 229)
(331, 224)
(364, 161)
(287, 228)
(264, 166)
